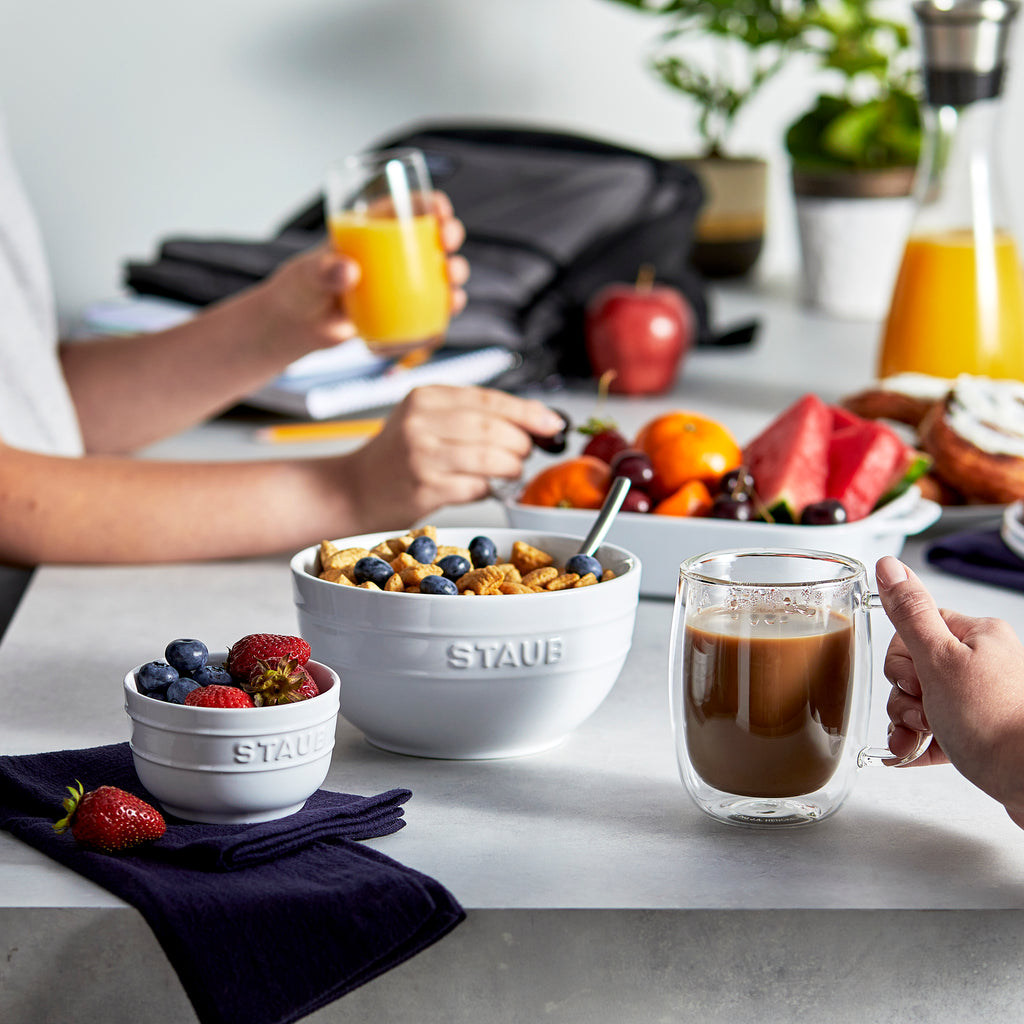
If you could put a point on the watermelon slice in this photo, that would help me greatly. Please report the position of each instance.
(865, 459)
(789, 458)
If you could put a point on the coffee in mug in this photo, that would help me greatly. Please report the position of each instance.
(770, 683)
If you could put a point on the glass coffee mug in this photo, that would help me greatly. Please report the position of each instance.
(770, 683)
(380, 213)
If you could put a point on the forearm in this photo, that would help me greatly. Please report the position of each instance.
(108, 509)
(130, 392)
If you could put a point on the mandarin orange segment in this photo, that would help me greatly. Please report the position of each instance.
(692, 499)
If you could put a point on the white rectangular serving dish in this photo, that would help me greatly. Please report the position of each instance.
(662, 542)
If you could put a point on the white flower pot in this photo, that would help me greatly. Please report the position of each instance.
(851, 245)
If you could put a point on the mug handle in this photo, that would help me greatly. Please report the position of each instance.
(883, 755)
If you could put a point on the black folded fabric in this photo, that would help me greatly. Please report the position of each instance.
(263, 923)
(979, 555)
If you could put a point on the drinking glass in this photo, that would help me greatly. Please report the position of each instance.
(770, 683)
(380, 213)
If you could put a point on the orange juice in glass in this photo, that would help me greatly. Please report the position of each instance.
(380, 213)
(957, 307)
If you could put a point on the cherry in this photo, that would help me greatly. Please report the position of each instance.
(555, 443)
(737, 481)
(605, 445)
(827, 512)
(729, 506)
(636, 500)
(634, 464)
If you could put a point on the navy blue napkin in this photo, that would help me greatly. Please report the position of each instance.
(263, 923)
(979, 555)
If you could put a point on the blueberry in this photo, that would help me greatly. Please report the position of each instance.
(374, 569)
(186, 655)
(437, 585)
(180, 689)
(157, 695)
(454, 566)
(423, 549)
(213, 675)
(582, 564)
(155, 677)
(482, 551)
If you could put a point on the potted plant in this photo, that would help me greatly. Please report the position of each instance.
(719, 55)
(853, 156)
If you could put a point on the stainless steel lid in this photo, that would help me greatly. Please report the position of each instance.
(965, 35)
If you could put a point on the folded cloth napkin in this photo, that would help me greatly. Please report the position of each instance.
(263, 923)
(979, 555)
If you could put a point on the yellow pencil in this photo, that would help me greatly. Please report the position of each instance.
(288, 433)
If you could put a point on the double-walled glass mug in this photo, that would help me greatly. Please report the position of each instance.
(380, 213)
(770, 683)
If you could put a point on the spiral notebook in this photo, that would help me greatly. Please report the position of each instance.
(330, 382)
(319, 397)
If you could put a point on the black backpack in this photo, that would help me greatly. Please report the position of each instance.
(550, 217)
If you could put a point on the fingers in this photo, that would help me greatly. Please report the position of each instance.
(912, 610)
(453, 232)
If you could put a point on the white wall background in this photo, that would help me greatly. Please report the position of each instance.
(134, 120)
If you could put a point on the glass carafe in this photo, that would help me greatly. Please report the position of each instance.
(958, 302)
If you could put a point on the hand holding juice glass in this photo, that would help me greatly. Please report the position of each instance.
(380, 213)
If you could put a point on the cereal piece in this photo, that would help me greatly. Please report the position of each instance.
(382, 551)
(588, 580)
(517, 588)
(411, 577)
(345, 558)
(565, 582)
(512, 574)
(337, 576)
(444, 550)
(485, 580)
(368, 585)
(607, 575)
(395, 584)
(540, 577)
(327, 548)
(526, 557)
(412, 590)
(400, 544)
(425, 531)
(402, 562)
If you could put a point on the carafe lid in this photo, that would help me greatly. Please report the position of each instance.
(965, 44)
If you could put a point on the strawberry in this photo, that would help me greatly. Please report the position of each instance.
(217, 696)
(109, 818)
(280, 681)
(244, 654)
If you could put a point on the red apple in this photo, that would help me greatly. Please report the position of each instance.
(642, 331)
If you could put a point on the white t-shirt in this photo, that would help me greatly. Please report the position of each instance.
(36, 411)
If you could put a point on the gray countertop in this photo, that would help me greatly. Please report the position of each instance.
(595, 890)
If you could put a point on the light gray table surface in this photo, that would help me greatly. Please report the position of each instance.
(595, 891)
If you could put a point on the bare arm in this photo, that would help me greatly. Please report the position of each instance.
(440, 447)
(130, 392)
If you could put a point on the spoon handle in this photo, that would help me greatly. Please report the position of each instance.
(612, 503)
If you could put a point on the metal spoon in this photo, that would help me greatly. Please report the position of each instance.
(612, 503)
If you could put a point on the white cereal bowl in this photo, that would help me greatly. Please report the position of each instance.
(233, 765)
(456, 677)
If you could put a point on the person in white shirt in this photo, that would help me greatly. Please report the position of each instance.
(72, 415)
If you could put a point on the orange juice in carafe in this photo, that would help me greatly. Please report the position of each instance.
(958, 302)
(957, 307)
